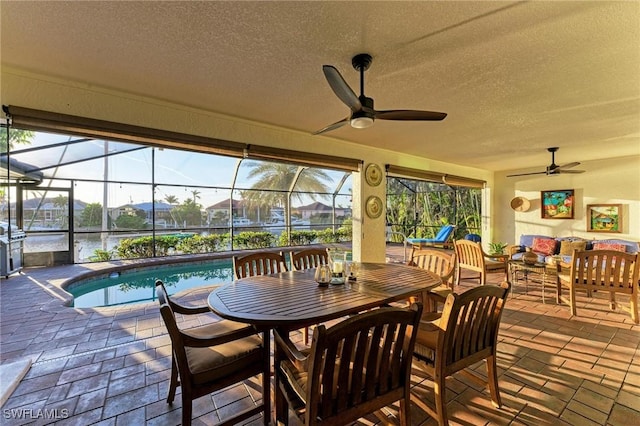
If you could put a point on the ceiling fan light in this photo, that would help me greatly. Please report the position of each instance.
(361, 122)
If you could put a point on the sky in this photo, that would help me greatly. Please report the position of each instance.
(188, 170)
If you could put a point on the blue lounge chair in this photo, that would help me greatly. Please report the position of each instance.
(442, 239)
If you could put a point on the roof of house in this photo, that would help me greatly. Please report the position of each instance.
(224, 204)
(147, 206)
(316, 206)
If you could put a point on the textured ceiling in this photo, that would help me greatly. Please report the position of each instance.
(514, 77)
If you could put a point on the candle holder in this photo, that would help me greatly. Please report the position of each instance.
(337, 260)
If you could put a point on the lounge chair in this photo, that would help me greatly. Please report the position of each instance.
(442, 239)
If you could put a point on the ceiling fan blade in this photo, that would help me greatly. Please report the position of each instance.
(409, 114)
(553, 169)
(333, 126)
(341, 88)
(569, 165)
(527, 174)
(570, 171)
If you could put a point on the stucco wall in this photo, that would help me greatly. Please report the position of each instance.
(611, 181)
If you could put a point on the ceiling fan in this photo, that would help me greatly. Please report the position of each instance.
(553, 168)
(362, 112)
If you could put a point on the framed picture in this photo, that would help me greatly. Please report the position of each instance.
(557, 204)
(604, 217)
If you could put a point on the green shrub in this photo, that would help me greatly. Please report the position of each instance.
(253, 240)
(101, 255)
(132, 248)
(203, 244)
(298, 238)
(342, 234)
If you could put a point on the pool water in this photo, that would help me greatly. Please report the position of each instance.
(139, 285)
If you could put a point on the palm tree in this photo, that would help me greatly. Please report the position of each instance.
(62, 203)
(16, 136)
(280, 176)
(196, 195)
(171, 199)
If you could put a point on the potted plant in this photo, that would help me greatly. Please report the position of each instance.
(497, 248)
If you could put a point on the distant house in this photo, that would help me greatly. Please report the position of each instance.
(162, 211)
(218, 213)
(48, 212)
(318, 208)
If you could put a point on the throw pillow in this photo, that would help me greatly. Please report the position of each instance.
(546, 246)
(567, 247)
(609, 246)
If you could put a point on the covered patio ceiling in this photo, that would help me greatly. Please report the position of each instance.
(513, 77)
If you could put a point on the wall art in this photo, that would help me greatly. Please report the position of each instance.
(558, 204)
(604, 217)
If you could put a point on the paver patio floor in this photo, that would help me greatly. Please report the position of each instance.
(110, 366)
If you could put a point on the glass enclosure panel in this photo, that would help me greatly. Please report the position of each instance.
(420, 209)
(193, 168)
(61, 156)
(54, 183)
(7, 204)
(46, 242)
(131, 201)
(265, 175)
(45, 210)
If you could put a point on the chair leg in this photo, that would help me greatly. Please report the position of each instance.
(572, 300)
(282, 407)
(457, 279)
(305, 334)
(186, 407)
(266, 377)
(173, 384)
(439, 390)
(612, 300)
(405, 412)
(633, 307)
(492, 376)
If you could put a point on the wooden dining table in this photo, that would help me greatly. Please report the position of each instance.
(293, 300)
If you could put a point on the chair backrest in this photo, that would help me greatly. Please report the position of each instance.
(608, 270)
(263, 263)
(175, 334)
(361, 364)
(469, 254)
(308, 258)
(437, 261)
(469, 327)
(444, 233)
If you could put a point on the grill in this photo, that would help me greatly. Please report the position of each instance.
(11, 249)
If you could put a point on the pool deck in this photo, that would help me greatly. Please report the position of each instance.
(110, 366)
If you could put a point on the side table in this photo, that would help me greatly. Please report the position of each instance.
(543, 269)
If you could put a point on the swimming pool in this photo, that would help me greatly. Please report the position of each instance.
(139, 285)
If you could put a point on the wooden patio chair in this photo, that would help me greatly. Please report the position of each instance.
(467, 332)
(208, 358)
(354, 368)
(470, 256)
(441, 263)
(610, 271)
(308, 258)
(262, 263)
